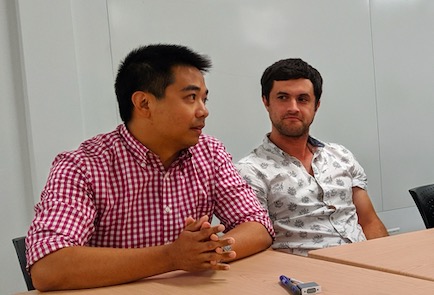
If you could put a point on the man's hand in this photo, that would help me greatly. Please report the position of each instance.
(192, 224)
(198, 247)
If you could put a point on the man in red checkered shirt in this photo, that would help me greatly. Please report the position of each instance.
(137, 201)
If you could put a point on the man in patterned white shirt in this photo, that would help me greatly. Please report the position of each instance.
(315, 192)
(138, 201)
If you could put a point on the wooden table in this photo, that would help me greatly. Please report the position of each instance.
(410, 254)
(259, 274)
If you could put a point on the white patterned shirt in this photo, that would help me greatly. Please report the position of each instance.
(308, 212)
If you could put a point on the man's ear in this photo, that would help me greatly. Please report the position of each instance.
(141, 101)
(265, 102)
(317, 105)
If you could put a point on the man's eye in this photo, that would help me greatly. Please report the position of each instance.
(205, 100)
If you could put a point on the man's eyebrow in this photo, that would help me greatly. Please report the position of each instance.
(287, 93)
(193, 88)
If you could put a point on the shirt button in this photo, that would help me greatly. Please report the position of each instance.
(331, 207)
(143, 164)
(167, 209)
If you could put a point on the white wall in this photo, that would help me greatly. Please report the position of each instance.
(16, 187)
(56, 89)
(58, 60)
(69, 78)
(403, 39)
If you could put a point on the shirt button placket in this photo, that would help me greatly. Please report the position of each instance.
(167, 208)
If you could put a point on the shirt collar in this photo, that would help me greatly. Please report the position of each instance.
(315, 142)
(131, 143)
(140, 151)
(272, 147)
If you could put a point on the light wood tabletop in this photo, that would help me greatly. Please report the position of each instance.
(409, 254)
(259, 274)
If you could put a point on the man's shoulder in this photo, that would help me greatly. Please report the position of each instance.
(327, 145)
(96, 147)
(207, 143)
(100, 143)
(254, 156)
(208, 139)
(339, 152)
(260, 157)
(336, 147)
(210, 152)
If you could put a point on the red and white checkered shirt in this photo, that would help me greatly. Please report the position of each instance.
(114, 192)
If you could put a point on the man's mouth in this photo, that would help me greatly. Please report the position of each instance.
(198, 127)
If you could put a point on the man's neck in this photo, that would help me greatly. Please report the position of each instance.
(294, 146)
(163, 150)
(297, 147)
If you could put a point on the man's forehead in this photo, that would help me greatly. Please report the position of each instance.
(300, 83)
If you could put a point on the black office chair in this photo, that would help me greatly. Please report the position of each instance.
(20, 248)
(423, 196)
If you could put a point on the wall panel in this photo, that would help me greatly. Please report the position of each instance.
(243, 38)
(403, 40)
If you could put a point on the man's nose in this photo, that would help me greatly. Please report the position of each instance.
(292, 105)
(202, 111)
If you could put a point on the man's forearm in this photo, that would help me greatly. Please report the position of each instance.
(250, 238)
(375, 229)
(86, 267)
(77, 267)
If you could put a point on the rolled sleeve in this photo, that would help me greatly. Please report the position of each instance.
(358, 174)
(237, 201)
(65, 215)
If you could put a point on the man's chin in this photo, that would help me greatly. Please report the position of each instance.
(294, 133)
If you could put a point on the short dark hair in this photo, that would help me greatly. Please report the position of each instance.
(290, 69)
(150, 69)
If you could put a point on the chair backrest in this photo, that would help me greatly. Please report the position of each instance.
(423, 196)
(20, 248)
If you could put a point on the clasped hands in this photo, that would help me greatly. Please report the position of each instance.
(198, 246)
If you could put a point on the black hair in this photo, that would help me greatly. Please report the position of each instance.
(150, 69)
(289, 69)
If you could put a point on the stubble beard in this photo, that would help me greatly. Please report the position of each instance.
(292, 131)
